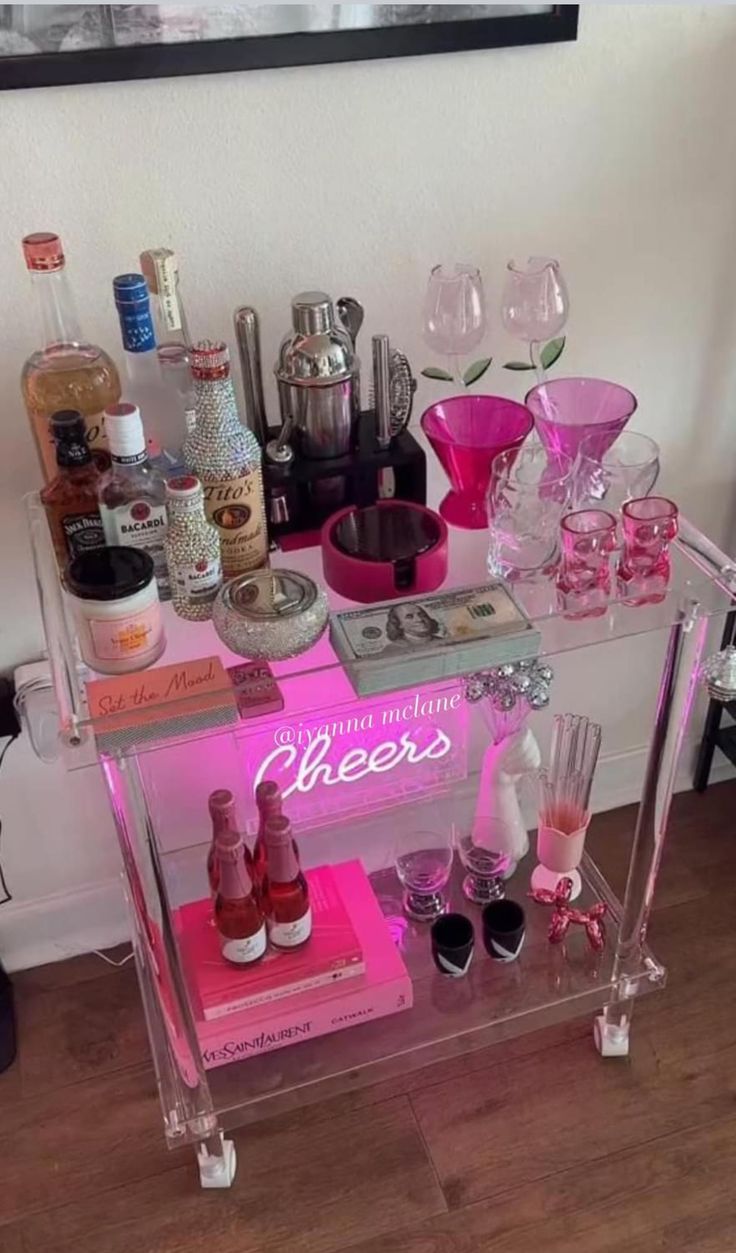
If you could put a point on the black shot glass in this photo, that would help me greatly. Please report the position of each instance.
(453, 940)
(504, 927)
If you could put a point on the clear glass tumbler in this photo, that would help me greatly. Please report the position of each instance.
(649, 526)
(625, 471)
(588, 538)
(423, 864)
(528, 494)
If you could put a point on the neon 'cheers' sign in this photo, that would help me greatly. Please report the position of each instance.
(373, 755)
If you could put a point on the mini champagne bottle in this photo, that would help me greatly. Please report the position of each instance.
(268, 800)
(285, 890)
(221, 805)
(238, 915)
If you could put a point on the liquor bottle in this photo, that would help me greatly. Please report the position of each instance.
(238, 914)
(226, 457)
(71, 499)
(269, 802)
(144, 383)
(66, 372)
(133, 492)
(160, 269)
(285, 891)
(221, 805)
(192, 549)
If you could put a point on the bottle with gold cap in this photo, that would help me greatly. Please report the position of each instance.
(226, 458)
(65, 372)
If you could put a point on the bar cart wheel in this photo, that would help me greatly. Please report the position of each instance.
(611, 1038)
(217, 1161)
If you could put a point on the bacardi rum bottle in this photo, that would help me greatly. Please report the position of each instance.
(285, 891)
(238, 914)
(192, 550)
(133, 492)
(221, 805)
(65, 372)
(226, 457)
(269, 802)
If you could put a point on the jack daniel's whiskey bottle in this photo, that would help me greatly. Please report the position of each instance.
(70, 500)
(226, 457)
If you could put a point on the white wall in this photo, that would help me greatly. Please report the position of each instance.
(616, 153)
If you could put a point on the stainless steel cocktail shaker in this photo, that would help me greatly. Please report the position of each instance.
(318, 376)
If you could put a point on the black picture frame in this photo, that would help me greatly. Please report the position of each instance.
(261, 52)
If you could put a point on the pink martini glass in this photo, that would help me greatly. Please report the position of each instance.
(567, 411)
(467, 433)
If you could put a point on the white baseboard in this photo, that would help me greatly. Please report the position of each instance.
(33, 933)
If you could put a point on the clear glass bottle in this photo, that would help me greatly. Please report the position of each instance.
(160, 269)
(144, 383)
(192, 550)
(71, 499)
(226, 457)
(133, 492)
(285, 891)
(238, 915)
(66, 372)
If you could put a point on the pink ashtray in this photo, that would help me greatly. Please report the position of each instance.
(386, 550)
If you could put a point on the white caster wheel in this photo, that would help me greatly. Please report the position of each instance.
(217, 1172)
(611, 1040)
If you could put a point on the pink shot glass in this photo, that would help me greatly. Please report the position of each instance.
(588, 538)
(649, 526)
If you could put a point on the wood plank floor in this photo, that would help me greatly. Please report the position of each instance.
(537, 1144)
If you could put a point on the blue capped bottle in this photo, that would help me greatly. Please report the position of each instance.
(143, 383)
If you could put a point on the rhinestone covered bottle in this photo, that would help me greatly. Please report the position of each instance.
(192, 550)
(226, 457)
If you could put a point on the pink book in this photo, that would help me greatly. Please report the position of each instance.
(333, 953)
(384, 988)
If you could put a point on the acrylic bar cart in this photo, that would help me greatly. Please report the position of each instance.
(158, 793)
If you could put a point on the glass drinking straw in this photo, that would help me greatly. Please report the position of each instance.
(566, 785)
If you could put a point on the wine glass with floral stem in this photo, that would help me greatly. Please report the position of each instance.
(535, 305)
(454, 312)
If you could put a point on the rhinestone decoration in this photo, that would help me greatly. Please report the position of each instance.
(191, 542)
(270, 615)
(220, 448)
(719, 675)
(515, 681)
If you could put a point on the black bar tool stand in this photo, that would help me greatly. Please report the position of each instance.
(714, 735)
(361, 470)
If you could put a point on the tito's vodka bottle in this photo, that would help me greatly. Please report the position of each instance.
(65, 372)
(226, 457)
(133, 492)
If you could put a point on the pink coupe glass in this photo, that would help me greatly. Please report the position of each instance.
(566, 411)
(588, 539)
(466, 433)
(649, 526)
